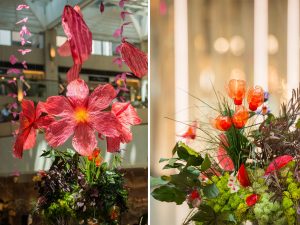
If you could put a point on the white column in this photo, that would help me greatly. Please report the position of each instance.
(261, 43)
(181, 79)
(292, 46)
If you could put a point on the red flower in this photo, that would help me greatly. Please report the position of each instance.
(96, 152)
(194, 198)
(278, 163)
(191, 132)
(255, 97)
(82, 114)
(30, 120)
(127, 116)
(98, 161)
(236, 90)
(252, 199)
(243, 177)
(222, 123)
(240, 117)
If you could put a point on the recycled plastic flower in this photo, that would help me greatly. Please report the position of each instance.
(30, 120)
(256, 97)
(127, 116)
(236, 90)
(240, 117)
(81, 114)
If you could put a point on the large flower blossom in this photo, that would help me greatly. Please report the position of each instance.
(81, 114)
(30, 120)
(127, 116)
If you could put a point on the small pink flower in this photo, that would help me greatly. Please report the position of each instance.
(13, 59)
(22, 6)
(127, 116)
(22, 20)
(82, 114)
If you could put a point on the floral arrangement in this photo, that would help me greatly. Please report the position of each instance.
(248, 169)
(79, 186)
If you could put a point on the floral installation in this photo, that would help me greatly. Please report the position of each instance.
(248, 168)
(79, 185)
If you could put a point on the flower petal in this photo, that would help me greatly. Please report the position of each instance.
(77, 90)
(19, 143)
(28, 110)
(278, 163)
(58, 106)
(84, 140)
(113, 144)
(106, 124)
(30, 140)
(126, 113)
(101, 98)
(59, 131)
(44, 122)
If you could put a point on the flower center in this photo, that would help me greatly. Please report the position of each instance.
(81, 115)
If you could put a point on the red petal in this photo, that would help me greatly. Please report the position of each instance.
(73, 72)
(191, 132)
(106, 124)
(30, 140)
(252, 199)
(225, 161)
(64, 50)
(278, 163)
(243, 177)
(135, 59)
(126, 113)
(78, 33)
(113, 144)
(19, 143)
(84, 140)
(28, 110)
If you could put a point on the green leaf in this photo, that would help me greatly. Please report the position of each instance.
(157, 181)
(185, 180)
(206, 163)
(169, 193)
(298, 124)
(163, 160)
(205, 214)
(211, 191)
(186, 153)
(193, 171)
(175, 165)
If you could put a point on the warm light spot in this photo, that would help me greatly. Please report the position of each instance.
(81, 115)
(14, 78)
(2, 78)
(237, 45)
(272, 44)
(221, 45)
(237, 73)
(207, 79)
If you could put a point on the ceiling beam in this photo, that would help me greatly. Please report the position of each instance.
(55, 8)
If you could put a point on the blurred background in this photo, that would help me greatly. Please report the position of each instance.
(46, 76)
(200, 44)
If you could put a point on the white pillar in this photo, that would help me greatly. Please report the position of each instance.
(261, 43)
(292, 46)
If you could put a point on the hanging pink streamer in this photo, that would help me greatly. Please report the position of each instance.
(123, 14)
(122, 3)
(13, 71)
(24, 51)
(119, 31)
(101, 7)
(22, 6)
(23, 20)
(118, 61)
(24, 64)
(13, 59)
(24, 31)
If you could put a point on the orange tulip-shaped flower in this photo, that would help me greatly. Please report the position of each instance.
(222, 123)
(240, 117)
(255, 97)
(236, 90)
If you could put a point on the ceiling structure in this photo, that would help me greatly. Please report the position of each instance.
(46, 14)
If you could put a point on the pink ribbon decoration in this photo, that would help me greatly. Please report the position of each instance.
(13, 71)
(13, 59)
(101, 7)
(24, 31)
(24, 51)
(24, 64)
(122, 3)
(22, 6)
(79, 38)
(119, 31)
(123, 14)
(118, 61)
(23, 20)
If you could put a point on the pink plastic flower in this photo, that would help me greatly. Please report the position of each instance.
(30, 120)
(126, 116)
(81, 114)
